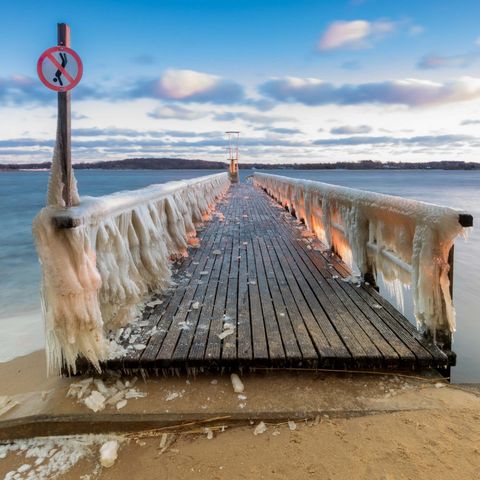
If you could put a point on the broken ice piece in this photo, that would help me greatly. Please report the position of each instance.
(95, 401)
(204, 272)
(101, 386)
(172, 396)
(252, 282)
(242, 397)
(133, 393)
(260, 428)
(216, 252)
(229, 329)
(163, 440)
(209, 433)
(292, 425)
(121, 404)
(155, 302)
(377, 306)
(139, 346)
(237, 384)
(195, 305)
(108, 453)
(214, 381)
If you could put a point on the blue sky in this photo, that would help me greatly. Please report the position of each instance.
(303, 80)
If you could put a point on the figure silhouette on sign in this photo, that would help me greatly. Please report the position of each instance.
(58, 73)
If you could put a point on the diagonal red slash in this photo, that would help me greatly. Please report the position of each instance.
(65, 73)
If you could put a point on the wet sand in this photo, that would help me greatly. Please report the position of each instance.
(369, 427)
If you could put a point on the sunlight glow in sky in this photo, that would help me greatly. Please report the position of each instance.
(304, 80)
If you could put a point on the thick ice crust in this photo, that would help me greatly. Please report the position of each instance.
(95, 275)
(406, 241)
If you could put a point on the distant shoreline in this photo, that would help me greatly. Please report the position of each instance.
(185, 164)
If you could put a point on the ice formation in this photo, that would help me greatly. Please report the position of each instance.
(237, 384)
(108, 453)
(403, 240)
(51, 457)
(95, 274)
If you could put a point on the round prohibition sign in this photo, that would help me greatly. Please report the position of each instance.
(60, 68)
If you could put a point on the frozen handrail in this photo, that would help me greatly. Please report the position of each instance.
(401, 239)
(101, 257)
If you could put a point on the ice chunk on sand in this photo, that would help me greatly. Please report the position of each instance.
(95, 401)
(292, 425)
(237, 384)
(260, 428)
(108, 453)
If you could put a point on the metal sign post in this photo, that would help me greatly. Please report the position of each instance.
(65, 124)
(60, 69)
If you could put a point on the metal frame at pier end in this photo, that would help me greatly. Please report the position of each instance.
(232, 154)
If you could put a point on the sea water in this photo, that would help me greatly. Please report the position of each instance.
(22, 195)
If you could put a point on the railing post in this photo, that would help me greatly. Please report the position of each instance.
(444, 336)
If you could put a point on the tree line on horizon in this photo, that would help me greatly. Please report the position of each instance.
(195, 164)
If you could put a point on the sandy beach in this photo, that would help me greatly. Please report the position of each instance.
(378, 426)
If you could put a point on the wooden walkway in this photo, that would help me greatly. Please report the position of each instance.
(257, 269)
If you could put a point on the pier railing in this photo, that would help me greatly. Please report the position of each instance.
(405, 241)
(101, 257)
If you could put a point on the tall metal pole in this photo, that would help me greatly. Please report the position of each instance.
(64, 125)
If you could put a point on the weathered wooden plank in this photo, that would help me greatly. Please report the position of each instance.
(286, 300)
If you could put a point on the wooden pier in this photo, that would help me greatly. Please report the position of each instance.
(258, 269)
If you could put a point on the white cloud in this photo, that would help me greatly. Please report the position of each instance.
(354, 34)
(410, 92)
(181, 84)
(189, 86)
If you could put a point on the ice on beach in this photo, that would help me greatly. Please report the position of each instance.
(237, 384)
(260, 428)
(292, 425)
(95, 401)
(108, 453)
(46, 458)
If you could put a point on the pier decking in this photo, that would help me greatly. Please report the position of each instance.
(257, 268)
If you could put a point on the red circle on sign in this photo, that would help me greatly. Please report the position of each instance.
(47, 56)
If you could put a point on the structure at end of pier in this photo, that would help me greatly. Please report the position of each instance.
(232, 155)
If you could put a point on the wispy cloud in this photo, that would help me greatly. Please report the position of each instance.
(351, 130)
(434, 61)
(252, 118)
(410, 92)
(177, 112)
(421, 140)
(354, 34)
(470, 121)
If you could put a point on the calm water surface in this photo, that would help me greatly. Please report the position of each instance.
(22, 194)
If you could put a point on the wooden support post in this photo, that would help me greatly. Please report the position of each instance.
(444, 337)
(64, 126)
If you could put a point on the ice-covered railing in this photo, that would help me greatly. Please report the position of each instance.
(405, 241)
(101, 257)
